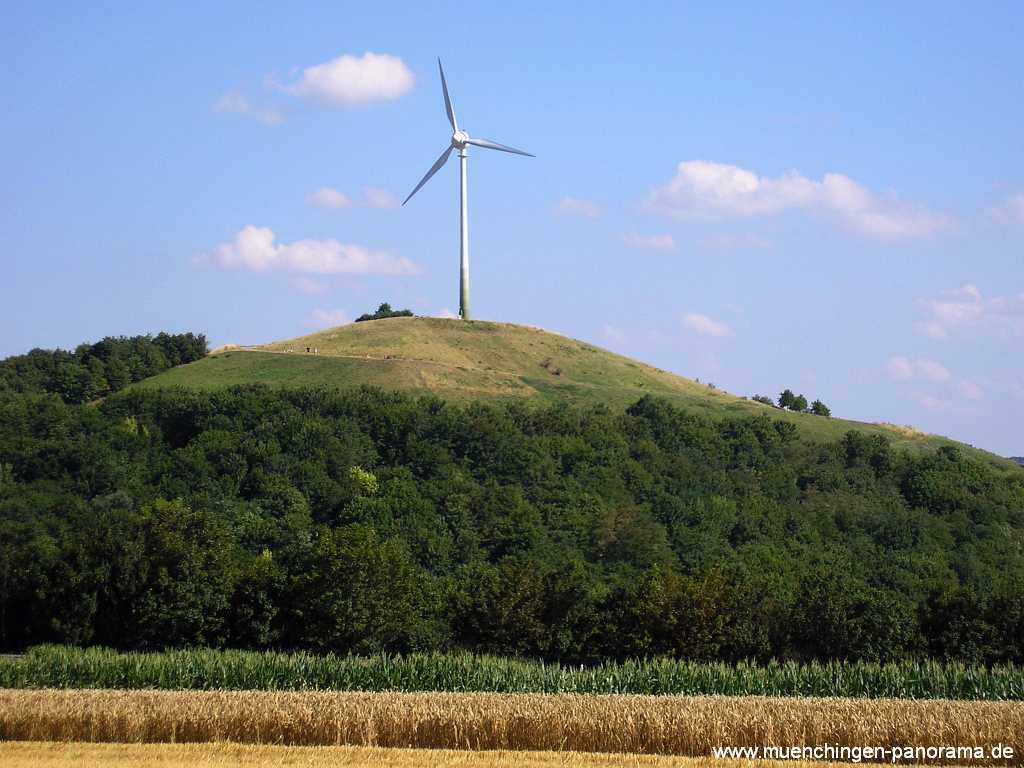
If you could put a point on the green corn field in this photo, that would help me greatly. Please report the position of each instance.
(63, 667)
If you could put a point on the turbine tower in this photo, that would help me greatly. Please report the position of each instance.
(460, 142)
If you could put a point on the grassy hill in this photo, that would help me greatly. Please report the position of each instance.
(462, 361)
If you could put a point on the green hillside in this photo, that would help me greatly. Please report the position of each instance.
(463, 361)
(358, 520)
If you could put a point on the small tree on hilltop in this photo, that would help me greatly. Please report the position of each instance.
(799, 404)
(818, 408)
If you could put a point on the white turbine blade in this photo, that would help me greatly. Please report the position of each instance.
(447, 100)
(433, 169)
(496, 145)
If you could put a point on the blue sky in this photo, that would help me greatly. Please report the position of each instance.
(826, 200)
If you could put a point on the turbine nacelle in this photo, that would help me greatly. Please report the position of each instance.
(460, 139)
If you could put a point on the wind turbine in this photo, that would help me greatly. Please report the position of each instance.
(460, 141)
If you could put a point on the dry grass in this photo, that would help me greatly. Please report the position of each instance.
(65, 755)
(623, 724)
(468, 362)
(906, 430)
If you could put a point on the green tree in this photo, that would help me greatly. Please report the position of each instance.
(188, 576)
(363, 595)
(787, 399)
(818, 408)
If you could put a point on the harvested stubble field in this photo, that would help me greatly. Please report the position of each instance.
(77, 755)
(669, 725)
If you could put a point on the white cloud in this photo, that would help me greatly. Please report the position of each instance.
(703, 189)
(348, 80)
(932, 370)
(234, 102)
(900, 368)
(932, 403)
(327, 318)
(650, 242)
(329, 198)
(308, 285)
(375, 197)
(705, 326)
(447, 314)
(965, 310)
(575, 206)
(903, 369)
(254, 248)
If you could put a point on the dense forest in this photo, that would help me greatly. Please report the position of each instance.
(96, 370)
(358, 520)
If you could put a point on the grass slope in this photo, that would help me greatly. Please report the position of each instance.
(464, 361)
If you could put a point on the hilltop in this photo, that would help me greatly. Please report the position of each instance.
(472, 361)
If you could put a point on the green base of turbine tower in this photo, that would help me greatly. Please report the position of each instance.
(460, 141)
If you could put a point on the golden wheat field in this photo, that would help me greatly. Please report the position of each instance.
(20, 754)
(668, 725)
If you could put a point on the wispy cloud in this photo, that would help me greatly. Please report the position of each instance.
(932, 403)
(331, 199)
(705, 326)
(575, 206)
(730, 242)
(964, 310)
(349, 80)
(234, 102)
(254, 249)
(650, 242)
(327, 318)
(708, 190)
(375, 197)
(904, 369)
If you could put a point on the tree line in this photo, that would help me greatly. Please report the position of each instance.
(96, 370)
(357, 520)
(793, 402)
